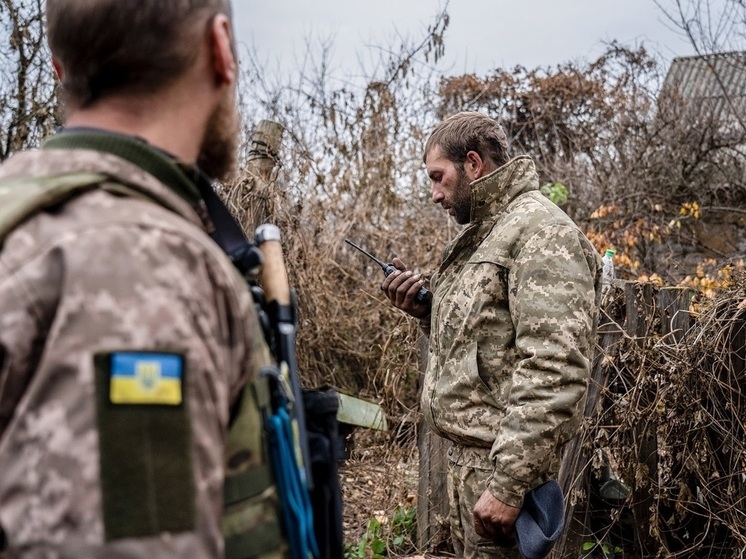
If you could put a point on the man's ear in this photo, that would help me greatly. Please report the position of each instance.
(224, 63)
(474, 165)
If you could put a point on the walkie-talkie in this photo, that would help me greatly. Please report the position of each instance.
(424, 295)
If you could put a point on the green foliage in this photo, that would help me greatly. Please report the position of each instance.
(600, 550)
(556, 192)
(404, 528)
(393, 538)
(371, 541)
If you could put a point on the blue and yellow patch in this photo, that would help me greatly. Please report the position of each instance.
(146, 378)
(146, 462)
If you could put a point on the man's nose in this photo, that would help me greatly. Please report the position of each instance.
(438, 195)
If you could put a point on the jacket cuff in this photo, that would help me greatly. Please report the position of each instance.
(508, 490)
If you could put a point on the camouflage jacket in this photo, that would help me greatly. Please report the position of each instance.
(512, 328)
(82, 473)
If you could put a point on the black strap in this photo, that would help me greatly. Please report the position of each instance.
(254, 543)
(227, 233)
(326, 495)
(247, 484)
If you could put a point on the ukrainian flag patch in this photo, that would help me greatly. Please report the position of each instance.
(146, 378)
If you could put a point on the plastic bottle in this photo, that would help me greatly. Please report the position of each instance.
(608, 274)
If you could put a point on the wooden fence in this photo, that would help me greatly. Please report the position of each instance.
(639, 312)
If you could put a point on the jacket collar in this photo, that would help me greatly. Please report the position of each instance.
(163, 166)
(492, 193)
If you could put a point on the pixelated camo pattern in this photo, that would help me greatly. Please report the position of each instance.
(107, 273)
(512, 328)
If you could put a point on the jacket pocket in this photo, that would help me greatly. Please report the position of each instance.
(462, 391)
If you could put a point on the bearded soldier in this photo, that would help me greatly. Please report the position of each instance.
(511, 328)
(128, 341)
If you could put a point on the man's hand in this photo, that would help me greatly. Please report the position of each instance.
(401, 288)
(493, 519)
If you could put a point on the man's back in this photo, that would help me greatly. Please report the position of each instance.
(128, 341)
(83, 288)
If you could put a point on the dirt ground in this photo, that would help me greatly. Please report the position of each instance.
(376, 478)
(380, 476)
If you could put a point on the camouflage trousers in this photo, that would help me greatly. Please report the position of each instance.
(469, 471)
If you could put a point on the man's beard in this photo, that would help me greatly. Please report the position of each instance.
(462, 198)
(217, 154)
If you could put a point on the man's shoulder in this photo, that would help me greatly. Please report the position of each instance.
(529, 217)
(39, 165)
(35, 163)
(526, 215)
(536, 211)
(68, 175)
(56, 196)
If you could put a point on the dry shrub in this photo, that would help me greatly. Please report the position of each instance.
(672, 427)
(29, 104)
(350, 167)
(647, 170)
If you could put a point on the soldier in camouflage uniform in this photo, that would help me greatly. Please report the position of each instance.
(126, 335)
(511, 328)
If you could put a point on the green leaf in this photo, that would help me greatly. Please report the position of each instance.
(587, 546)
(374, 527)
(378, 546)
(556, 192)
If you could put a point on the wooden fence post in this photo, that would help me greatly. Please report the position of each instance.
(254, 198)
(640, 302)
(674, 305)
(432, 493)
(574, 474)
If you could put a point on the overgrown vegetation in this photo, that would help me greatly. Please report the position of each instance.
(29, 105)
(642, 164)
(641, 170)
(637, 166)
(350, 167)
(394, 537)
(670, 429)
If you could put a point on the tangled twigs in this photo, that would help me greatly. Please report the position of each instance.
(684, 402)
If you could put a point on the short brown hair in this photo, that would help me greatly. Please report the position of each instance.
(469, 131)
(125, 46)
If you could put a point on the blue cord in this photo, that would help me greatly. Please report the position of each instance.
(296, 503)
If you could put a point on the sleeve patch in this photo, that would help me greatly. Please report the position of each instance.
(146, 378)
(146, 456)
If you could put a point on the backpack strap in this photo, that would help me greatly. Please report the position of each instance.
(24, 197)
(251, 523)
